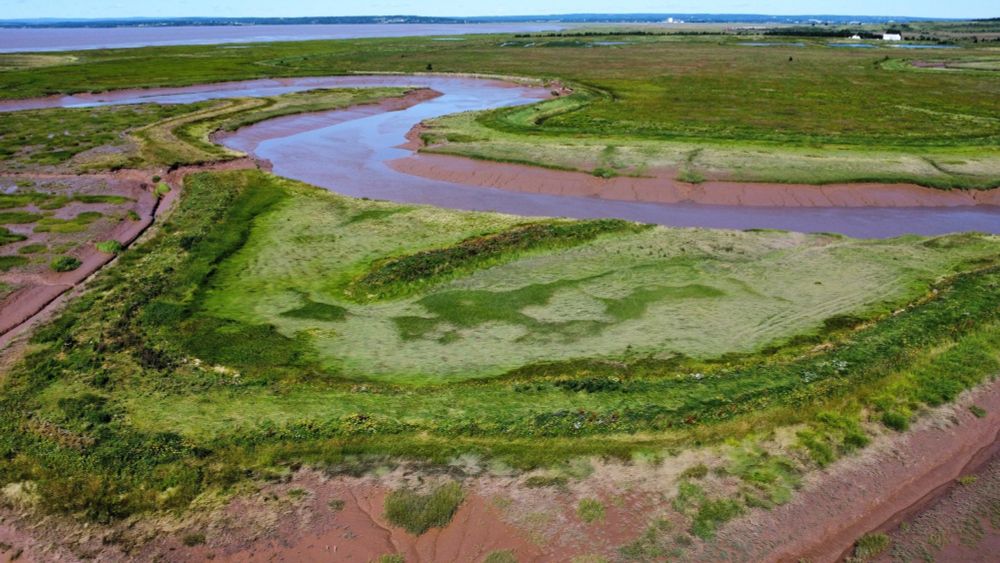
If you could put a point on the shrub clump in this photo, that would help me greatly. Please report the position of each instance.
(418, 512)
(65, 263)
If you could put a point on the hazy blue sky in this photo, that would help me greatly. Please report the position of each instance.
(10, 9)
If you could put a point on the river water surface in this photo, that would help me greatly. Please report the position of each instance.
(80, 38)
(346, 151)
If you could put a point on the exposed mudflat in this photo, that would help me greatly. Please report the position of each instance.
(663, 188)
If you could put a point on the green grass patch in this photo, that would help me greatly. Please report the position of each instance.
(501, 556)
(713, 513)
(769, 480)
(65, 263)
(418, 512)
(109, 246)
(18, 217)
(590, 510)
(33, 248)
(8, 237)
(896, 420)
(77, 224)
(316, 311)
(8, 263)
(870, 546)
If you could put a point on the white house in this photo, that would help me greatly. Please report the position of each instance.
(855, 36)
(892, 37)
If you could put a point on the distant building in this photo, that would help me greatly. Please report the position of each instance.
(855, 36)
(892, 37)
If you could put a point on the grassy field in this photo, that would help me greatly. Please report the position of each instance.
(239, 351)
(807, 113)
(633, 293)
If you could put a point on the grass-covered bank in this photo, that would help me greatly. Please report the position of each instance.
(152, 135)
(150, 389)
(707, 107)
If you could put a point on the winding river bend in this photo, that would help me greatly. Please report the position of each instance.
(348, 151)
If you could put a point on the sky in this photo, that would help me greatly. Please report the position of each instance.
(20, 9)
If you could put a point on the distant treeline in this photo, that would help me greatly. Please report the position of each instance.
(612, 34)
(821, 32)
(589, 34)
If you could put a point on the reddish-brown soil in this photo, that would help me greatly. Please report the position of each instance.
(663, 188)
(313, 517)
(895, 477)
(963, 525)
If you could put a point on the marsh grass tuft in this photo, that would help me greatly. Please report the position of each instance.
(870, 546)
(590, 510)
(65, 263)
(418, 512)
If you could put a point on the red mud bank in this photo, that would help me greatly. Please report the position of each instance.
(663, 189)
(896, 478)
(359, 532)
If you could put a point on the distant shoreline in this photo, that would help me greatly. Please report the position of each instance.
(58, 23)
(50, 39)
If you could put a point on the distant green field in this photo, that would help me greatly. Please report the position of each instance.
(785, 113)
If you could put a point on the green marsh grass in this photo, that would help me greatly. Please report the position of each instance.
(149, 382)
(64, 263)
(418, 512)
(8, 237)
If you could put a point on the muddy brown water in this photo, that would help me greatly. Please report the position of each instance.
(347, 151)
